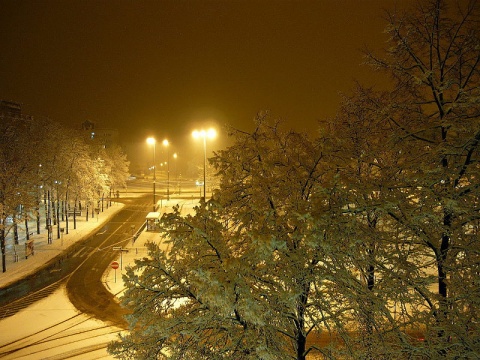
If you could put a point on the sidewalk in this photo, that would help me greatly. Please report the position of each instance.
(44, 252)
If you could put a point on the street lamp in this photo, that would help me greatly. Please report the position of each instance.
(166, 143)
(152, 141)
(210, 133)
(175, 170)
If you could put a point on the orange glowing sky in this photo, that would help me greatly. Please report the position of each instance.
(162, 67)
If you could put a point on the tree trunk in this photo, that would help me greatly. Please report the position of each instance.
(27, 233)
(443, 307)
(38, 219)
(58, 219)
(54, 212)
(2, 245)
(46, 199)
(301, 339)
(66, 213)
(15, 230)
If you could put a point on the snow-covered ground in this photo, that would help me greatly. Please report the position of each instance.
(52, 328)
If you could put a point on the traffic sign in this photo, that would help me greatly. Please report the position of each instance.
(119, 248)
(114, 265)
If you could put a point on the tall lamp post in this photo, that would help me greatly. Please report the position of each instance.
(152, 141)
(166, 144)
(175, 171)
(204, 134)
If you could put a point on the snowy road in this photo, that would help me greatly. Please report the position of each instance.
(52, 328)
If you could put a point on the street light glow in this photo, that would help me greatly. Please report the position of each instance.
(210, 133)
(151, 141)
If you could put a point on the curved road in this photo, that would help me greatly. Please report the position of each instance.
(85, 287)
(82, 268)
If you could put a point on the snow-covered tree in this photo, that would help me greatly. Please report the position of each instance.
(18, 162)
(434, 116)
(243, 277)
(366, 234)
(42, 160)
(116, 167)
